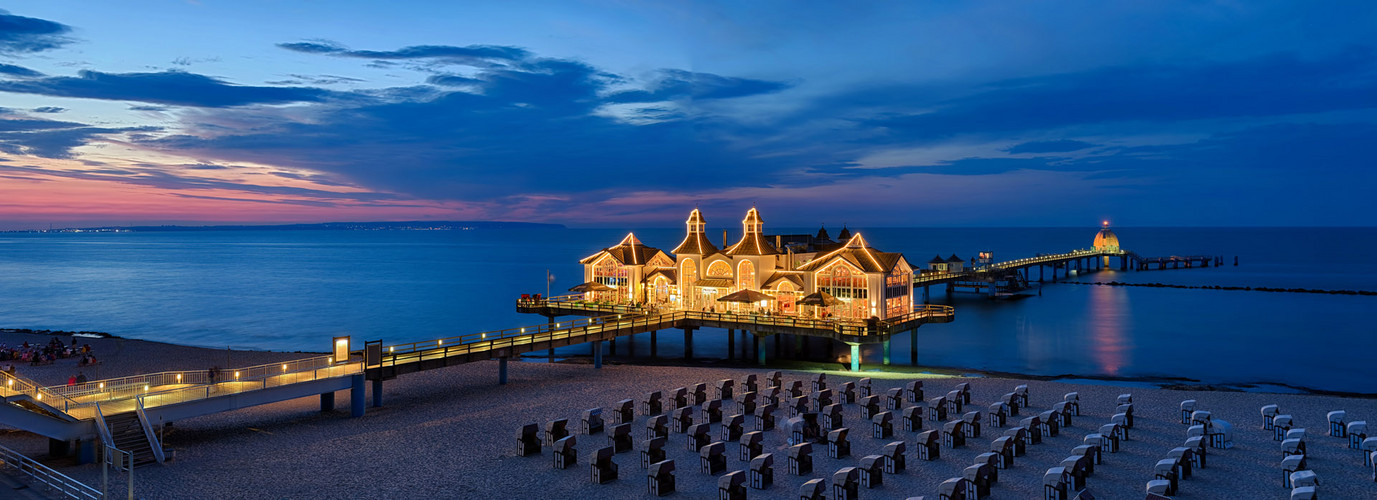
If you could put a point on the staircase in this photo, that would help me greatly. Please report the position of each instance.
(127, 433)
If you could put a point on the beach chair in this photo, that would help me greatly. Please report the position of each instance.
(1303, 493)
(732, 427)
(765, 417)
(679, 398)
(700, 394)
(1111, 437)
(1357, 432)
(800, 458)
(1292, 447)
(652, 450)
(1048, 424)
(872, 471)
(1021, 438)
(1125, 399)
(1199, 450)
(762, 471)
(1127, 410)
(912, 418)
(746, 402)
(1222, 435)
(724, 389)
(795, 388)
(954, 434)
(1004, 447)
(601, 467)
(1185, 460)
(1337, 423)
(813, 489)
(660, 478)
(992, 460)
(798, 406)
(1157, 489)
(929, 445)
(957, 488)
(1187, 407)
(964, 389)
(895, 462)
(527, 440)
(1121, 419)
(882, 426)
(1303, 478)
(982, 476)
(1022, 392)
(565, 454)
(1269, 412)
(822, 398)
(622, 412)
(1372, 462)
(1056, 484)
(937, 409)
(769, 397)
(748, 383)
(712, 458)
(732, 486)
(846, 394)
(1289, 465)
(696, 437)
(838, 446)
(954, 404)
(555, 430)
(1078, 471)
(999, 414)
(819, 382)
(1062, 410)
(1091, 453)
(591, 423)
(894, 399)
(620, 438)
(752, 445)
(651, 404)
(846, 484)
(1368, 447)
(657, 426)
(831, 417)
(1280, 424)
(863, 385)
(1073, 401)
(772, 378)
(869, 407)
(681, 418)
(1034, 427)
(913, 391)
(1165, 469)
(712, 411)
(1013, 400)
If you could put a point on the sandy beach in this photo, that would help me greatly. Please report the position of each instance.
(450, 434)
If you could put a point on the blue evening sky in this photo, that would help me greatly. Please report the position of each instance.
(617, 113)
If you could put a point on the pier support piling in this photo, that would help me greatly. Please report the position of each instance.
(358, 399)
(688, 343)
(501, 379)
(377, 385)
(652, 344)
(597, 354)
(759, 353)
(731, 344)
(886, 353)
(327, 401)
(913, 347)
(855, 357)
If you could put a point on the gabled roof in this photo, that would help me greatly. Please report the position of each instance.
(792, 277)
(630, 252)
(954, 258)
(859, 254)
(668, 273)
(937, 260)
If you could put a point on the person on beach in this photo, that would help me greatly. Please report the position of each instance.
(71, 380)
(81, 377)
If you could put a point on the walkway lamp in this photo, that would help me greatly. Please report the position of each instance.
(341, 350)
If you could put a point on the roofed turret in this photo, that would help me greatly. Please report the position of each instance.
(752, 237)
(696, 242)
(1106, 240)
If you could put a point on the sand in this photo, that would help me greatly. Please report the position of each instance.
(450, 434)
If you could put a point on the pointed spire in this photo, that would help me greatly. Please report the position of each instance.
(696, 241)
(845, 234)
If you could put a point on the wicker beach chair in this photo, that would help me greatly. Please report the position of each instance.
(983, 476)
(913, 391)
(957, 488)
(882, 425)
(800, 457)
(929, 445)
(660, 478)
(838, 446)
(752, 444)
(620, 437)
(762, 471)
(652, 451)
(712, 458)
(732, 486)
(601, 467)
(831, 417)
(846, 484)
(895, 461)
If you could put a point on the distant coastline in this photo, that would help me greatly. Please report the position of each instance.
(323, 226)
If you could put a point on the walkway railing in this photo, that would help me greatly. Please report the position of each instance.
(253, 379)
(49, 477)
(16, 385)
(1050, 258)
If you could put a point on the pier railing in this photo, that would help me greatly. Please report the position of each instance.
(53, 479)
(16, 385)
(252, 379)
(127, 387)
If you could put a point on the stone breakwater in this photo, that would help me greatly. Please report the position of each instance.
(1218, 287)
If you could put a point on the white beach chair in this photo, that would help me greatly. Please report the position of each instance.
(1187, 407)
(1269, 412)
(1336, 423)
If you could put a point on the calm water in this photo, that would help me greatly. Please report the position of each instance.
(294, 290)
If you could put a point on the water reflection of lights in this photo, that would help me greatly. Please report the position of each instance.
(1109, 340)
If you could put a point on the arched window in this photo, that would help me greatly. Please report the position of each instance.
(786, 295)
(847, 284)
(720, 269)
(690, 273)
(745, 274)
(608, 272)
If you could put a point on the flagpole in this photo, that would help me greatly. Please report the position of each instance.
(547, 284)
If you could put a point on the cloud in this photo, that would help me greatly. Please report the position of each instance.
(452, 80)
(1060, 146)
(19, 34)
(55, 142)
(20, 71)
(169, 87)
(672, 84)
(48, 109)
(467, 55)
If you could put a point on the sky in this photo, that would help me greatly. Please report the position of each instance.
(627, 113)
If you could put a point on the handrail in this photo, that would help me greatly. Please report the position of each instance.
(178, 395)
(43, 474)
(148, 433)
(101, 428)
(112, 388)
(16, 385)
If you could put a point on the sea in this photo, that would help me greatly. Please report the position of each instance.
(295, 290)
